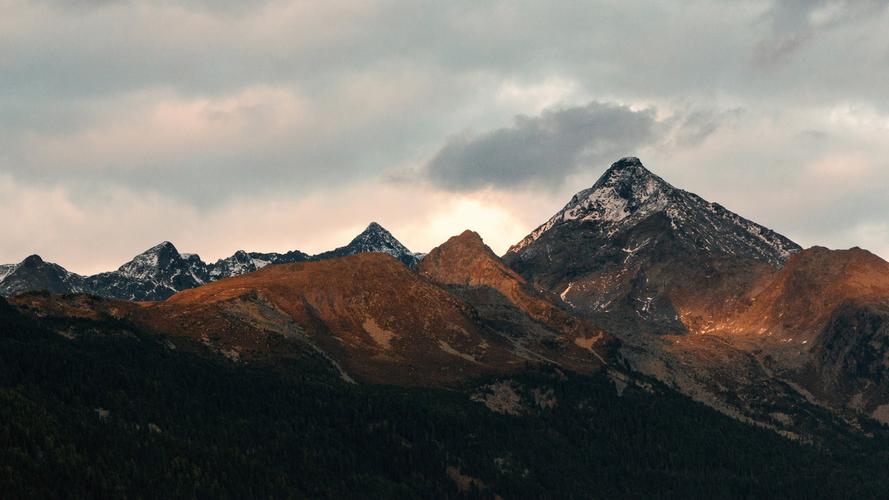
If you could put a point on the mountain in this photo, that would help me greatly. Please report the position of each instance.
(634, 245)
(239, 263)
(368, 314)
(593, 340)
(824, 321)
(34, 273)
(721, 308)
(632, 272)
(375, 238)
(261, 259)
(375, 319)
(154, 274)
(243, 262)
(161, 271)
(505, 302)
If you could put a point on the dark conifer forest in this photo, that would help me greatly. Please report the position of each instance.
(115, 413)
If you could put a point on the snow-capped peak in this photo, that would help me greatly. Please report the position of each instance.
(377, 239)
(628, 193)
(626, 190)
(151, 262)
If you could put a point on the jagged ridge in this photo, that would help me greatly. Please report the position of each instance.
(162, 271)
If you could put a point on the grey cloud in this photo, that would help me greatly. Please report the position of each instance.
(212, 6)
(795, 23)
(379, 85)
(775, 50)
(690, 128)
(542, 150)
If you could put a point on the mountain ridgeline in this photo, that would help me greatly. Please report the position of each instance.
(620, 350)
(161, 271)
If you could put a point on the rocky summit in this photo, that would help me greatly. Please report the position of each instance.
(374, 239)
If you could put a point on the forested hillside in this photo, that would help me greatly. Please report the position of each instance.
(108, 411)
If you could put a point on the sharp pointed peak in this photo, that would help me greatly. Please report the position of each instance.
(374, 238)
(148, 262)
(374, 232)
(162, 246)
(374, 227)
(627, 170)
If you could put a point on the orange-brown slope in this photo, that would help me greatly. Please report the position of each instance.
(80, 305)
(801, 297)
(827, 311)
(508, 304)
(378, 320)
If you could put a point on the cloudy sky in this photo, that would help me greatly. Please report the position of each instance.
(282, 125)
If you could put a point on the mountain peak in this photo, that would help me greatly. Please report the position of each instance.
(34, 273)
(151, 262)
(628, 194)
(466, 243)
(628, 178)
(32, 261)
(376, 233)
(627, 162)
(466, 260)
(163, 246)
(627, 190)
(468, 237)
(375, 238)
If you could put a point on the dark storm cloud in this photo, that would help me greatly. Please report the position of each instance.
(542, 150)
